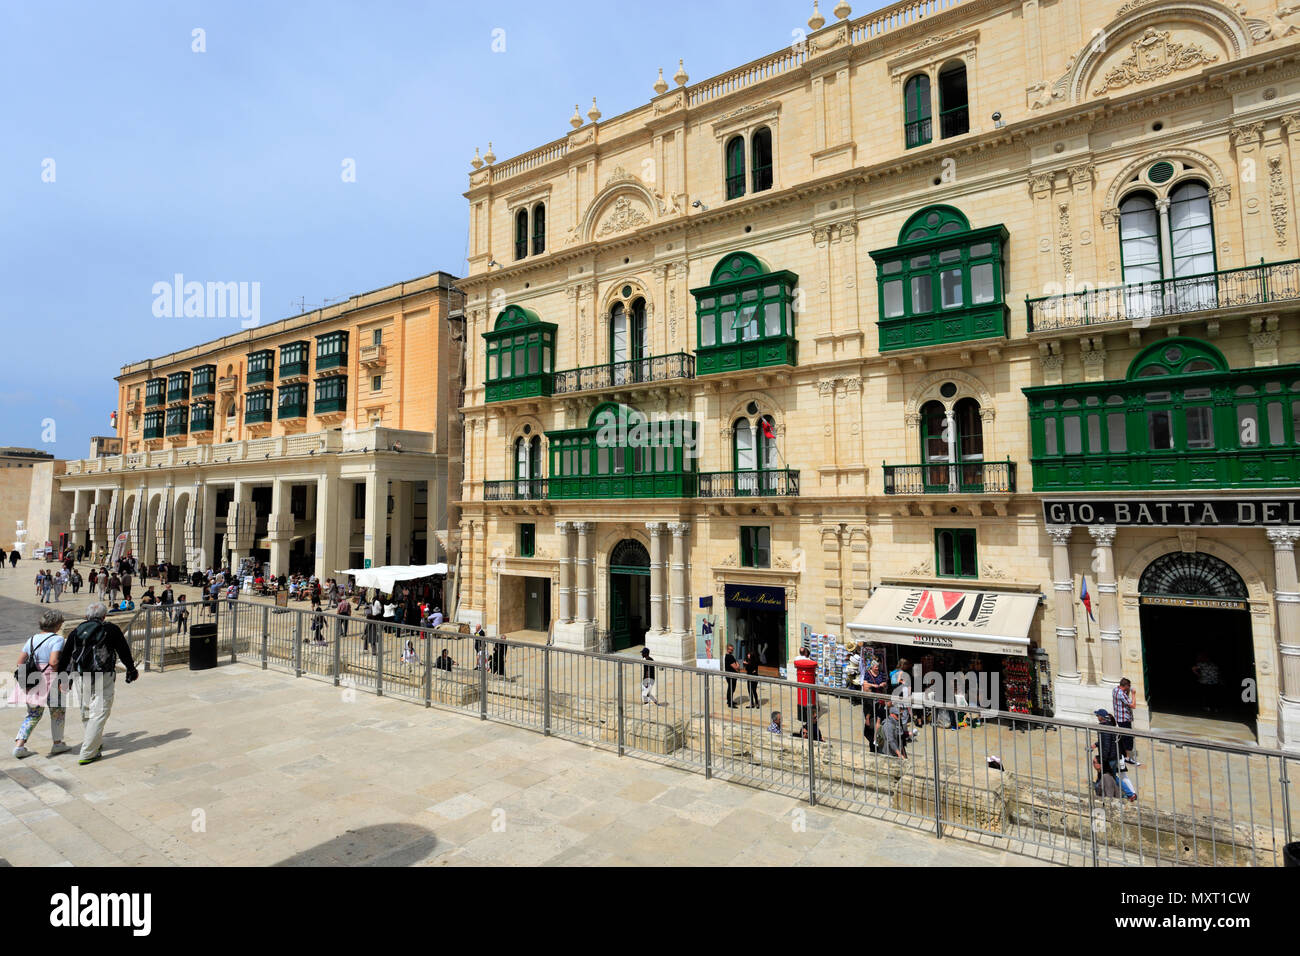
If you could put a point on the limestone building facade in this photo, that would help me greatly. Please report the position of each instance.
(320, 442)
(872, 312)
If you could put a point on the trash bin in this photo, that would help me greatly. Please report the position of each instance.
(203, 646)
(1291, 854)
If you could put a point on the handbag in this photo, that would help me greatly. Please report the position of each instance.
(25, 674)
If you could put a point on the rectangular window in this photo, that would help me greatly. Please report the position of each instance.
(728, 317)
(1073, 437)
(1200, 427)
(1248, 426)
(950, 288)
(756, 547)
(772, 318)
(1275, 431)
(954, 553)
(981, 283)
(1160, 436)
(1094, 434)
(494, 366)
(377, 337)
(922, 294)
(527, 540)
(708, 321)
(1049, 437)
(376, 383)
(1116, 436)
(893, 296)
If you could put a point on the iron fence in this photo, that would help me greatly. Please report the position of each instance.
(1021, 783)
(938, 478)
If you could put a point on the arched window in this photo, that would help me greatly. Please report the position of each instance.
(952, 446)
(1191, 229)
(745, 302)
(954, 117)
(528, 466)
(1139, 238)
(916, 110)
(760, 146)
(746, 458)
(521, 234)
(539, 229)
(1172, 240)
(735, 167)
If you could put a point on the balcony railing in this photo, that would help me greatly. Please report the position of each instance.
(372, 355)
(1142, 301)
(657, 368)
(749, 484)
(523, 489)
(942, 478)
(954, 122)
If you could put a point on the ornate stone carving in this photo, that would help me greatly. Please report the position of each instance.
(1082, 175)
(1246, 134)
(1063, 233)
(624, 216)
(1104, 535)
(924, 569)
(1060, 534)
(1154, 55)
(991, 573)
(1277, 198)
(669, 103)
(834, 232)
(1052, 364)
(1109, 218)
(1219, 195)
(1042, 95)
(1041, 182)
(729, 561)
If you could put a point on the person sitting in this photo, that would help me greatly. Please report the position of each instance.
(444, 661)
(774, 727)
(148, 597)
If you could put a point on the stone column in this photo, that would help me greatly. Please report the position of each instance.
(677, 646)
(77, 525)
(1286, 592)
(1067, 635)
(279, 526)
(657, 595)
(403, 509)
(376, 533)
(563, 529)
(327, 521)
(1107, 603)
(586, 574)
(198, 528)
(241, 523)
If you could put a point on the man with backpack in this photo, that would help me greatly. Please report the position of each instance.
(96, 644)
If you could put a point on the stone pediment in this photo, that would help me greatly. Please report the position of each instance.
(1153, 56)
(624, 215)
(625, 204)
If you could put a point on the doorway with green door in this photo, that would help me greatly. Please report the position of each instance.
(629, 594)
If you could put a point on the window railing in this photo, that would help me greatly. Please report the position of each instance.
(919, 132)
(657, 368)
(946, 478)
(1142, 301)
(736, 186)
(521, 489)
(325, 405)
(749, 484)
(521, 248)
(762, 177)
(954, 122)
(294, 410)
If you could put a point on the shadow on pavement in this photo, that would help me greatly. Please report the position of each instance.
(385, 844)
(115, 744)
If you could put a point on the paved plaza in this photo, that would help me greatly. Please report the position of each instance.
(244, 766)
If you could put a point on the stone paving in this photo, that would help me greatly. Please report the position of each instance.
(241, 766)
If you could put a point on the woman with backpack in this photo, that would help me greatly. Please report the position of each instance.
(38, 683)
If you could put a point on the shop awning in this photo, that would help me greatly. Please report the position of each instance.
(991, 622)
(384, 578)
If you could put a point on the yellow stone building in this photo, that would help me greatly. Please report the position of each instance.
(318, 442)
(860, 335)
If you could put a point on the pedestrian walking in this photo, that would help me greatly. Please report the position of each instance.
(729, 665)
(1122, 700)
(751, 668)
(1107, 747)
(126, 585)
(77, 581)
(182, 616)
(345, 612)
(13, 558)
(317, 625)
(499, 659)
(96, 645)
(891, 736)
(648, 679)
(39, 683)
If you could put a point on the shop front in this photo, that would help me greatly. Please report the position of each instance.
(756, 621)
(975, 640)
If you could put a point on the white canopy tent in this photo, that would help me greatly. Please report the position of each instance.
(384, 578)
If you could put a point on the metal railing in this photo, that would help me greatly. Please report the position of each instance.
(521, 489)
(657, 368)
(1014, 782)
(748, 484)
(1143, 301)
(944, 478)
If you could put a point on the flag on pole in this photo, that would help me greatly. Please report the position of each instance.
(767, 429)
(1086, 598)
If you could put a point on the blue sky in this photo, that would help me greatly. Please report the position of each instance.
(226, 165)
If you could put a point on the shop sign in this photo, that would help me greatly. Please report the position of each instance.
(1217, 604)
(1174, 512)
(748, 595)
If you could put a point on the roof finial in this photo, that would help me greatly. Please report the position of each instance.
(680, 77)
(842, 10)
(477, 161)
(593, 114)
(661, 85)
(816, 21)
(489, 157)
(576, 119)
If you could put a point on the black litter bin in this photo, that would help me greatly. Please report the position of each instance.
(1291, 854)
(203, 646)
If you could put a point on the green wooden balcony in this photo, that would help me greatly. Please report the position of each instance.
(753, 353)
(939, 328)
(670, 485)
(1211, 468)
(1140, 302)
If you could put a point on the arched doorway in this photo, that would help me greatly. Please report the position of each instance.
(629, 594)
(1197, 652)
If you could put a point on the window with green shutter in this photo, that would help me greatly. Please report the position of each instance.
(520, 356)
(331, 394)
(745, 317)
(943, 282)
(755, 546)
(293, 359)
(257, 407)
(261, 366)
(527, 540)
(954, 553)
(621, 454)
(332, 350)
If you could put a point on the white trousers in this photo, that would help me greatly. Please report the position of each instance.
(96, 704)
